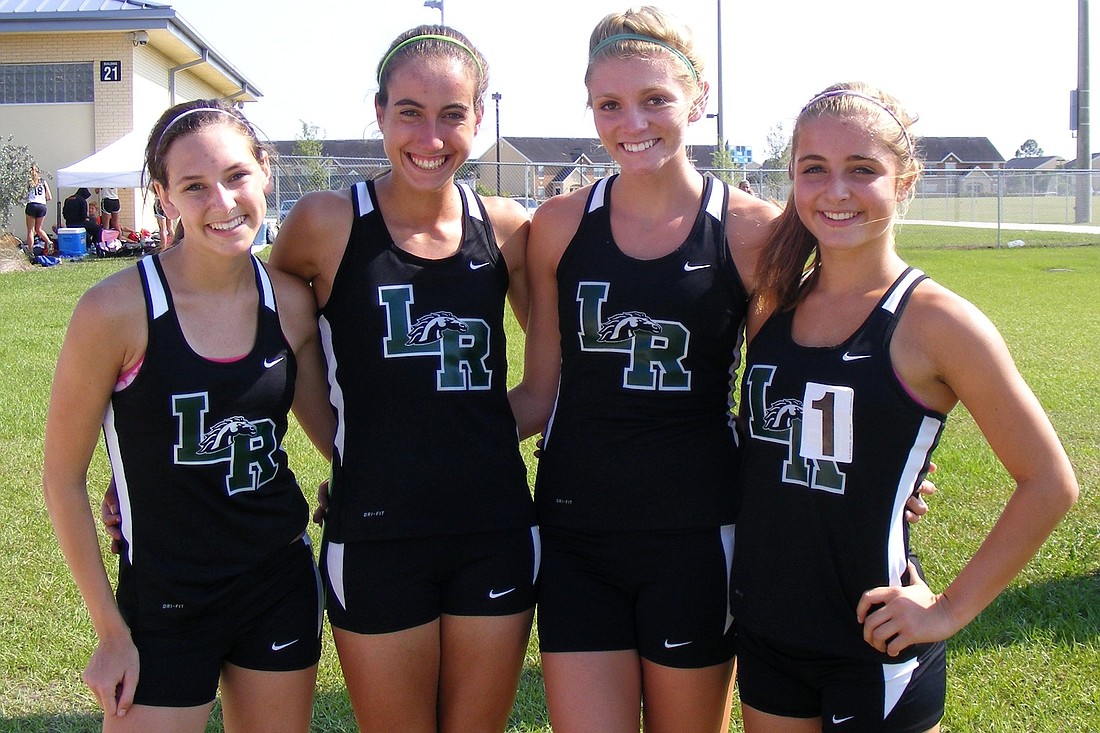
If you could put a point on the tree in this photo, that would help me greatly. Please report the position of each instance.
(1029, 149)
(15, 167)
(308, 144)
(778, 144)
(721, 160)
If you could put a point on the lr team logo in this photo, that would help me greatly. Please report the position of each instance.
(657, 349)
(247, 448)
(817, 429)
(460, 344)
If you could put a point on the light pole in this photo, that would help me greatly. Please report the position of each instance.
(438, 5)
(1083, 198)
(496, 99)
(720, 116)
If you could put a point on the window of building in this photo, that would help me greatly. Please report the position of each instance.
(46, 83)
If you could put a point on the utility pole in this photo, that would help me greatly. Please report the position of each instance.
(438, 5)
(1083, 204)
(721, 109)
(496, 98)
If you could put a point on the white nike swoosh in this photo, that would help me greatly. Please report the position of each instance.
(478, 265)
(675, 644)
(853, 357)
(496, 594)
(268, 363)
(838, 721)
(278, 647)
(688, 267)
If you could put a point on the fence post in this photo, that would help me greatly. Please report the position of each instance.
(1000, 202)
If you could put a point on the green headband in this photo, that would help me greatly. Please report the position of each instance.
(432, 37)
(636, 37)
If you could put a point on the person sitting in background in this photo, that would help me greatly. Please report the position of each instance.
(76, 214)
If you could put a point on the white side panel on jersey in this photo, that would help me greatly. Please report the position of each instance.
(914, 464)
(122, 486)
(335, 393)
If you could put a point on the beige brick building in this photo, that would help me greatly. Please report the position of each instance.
(75, 76)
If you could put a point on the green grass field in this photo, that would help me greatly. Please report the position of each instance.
(1031, 662)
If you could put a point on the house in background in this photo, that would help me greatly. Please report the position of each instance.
(1020, 181)
(541, 167)
(1036, 163)
(342, 163)
(76, 76)
(958, 164)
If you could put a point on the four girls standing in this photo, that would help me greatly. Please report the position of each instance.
(640, 285)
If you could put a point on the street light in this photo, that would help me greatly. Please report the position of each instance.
(438, 5)
(496, 99)
(721, 132)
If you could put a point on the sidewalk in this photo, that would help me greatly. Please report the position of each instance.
(1072, 228)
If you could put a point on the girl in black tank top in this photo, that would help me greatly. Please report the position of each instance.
(191, 362)
(411, 273)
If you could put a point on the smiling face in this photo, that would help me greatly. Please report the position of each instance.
(846, 188)
(429, 120)
(641, 108)
(216, 186)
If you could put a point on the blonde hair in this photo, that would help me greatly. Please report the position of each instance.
(639, 30)
(789, 264)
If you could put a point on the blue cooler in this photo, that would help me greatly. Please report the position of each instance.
(71, 242)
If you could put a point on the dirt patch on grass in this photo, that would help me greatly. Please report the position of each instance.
(12, 258)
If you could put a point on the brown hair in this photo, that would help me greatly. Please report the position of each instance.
(789, 263)
(184, 119)
(404, 47)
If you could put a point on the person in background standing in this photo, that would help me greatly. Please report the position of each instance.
(38, 194)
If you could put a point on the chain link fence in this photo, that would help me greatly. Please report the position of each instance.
(979, 198)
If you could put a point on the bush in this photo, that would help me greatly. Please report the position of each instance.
(15, 166)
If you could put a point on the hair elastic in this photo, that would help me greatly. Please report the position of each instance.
(432, 37)
(867, 97)
(637, 37)
(191, 111)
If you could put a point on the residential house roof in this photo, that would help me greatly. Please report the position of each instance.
(168, 33)
(1074, 165)
(962, 149)
(560, 149)
(1035, 162)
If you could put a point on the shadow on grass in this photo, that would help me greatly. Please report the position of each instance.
(1065, 611)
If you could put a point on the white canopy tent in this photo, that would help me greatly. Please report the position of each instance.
(116, 166)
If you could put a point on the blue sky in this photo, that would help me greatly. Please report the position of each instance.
(992, 68)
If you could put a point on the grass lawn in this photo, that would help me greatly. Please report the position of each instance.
(1031, 662)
